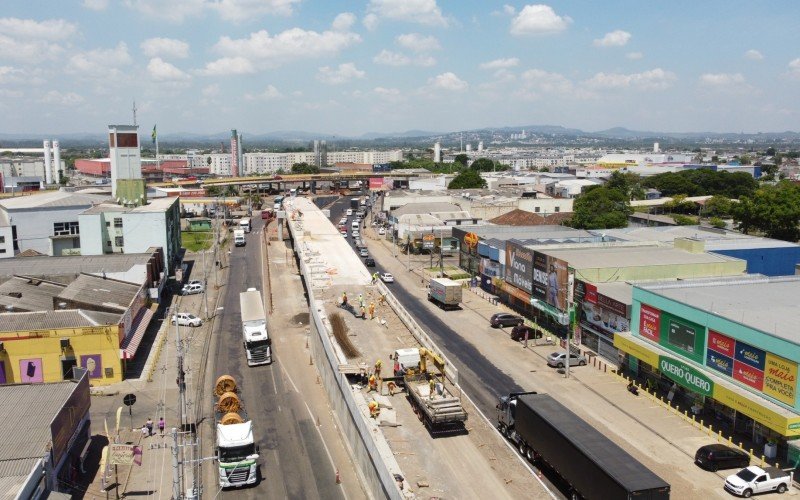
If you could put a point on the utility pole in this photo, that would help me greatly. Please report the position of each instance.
(205, 283)
(177, 480)
(441, 253)
(181, 380)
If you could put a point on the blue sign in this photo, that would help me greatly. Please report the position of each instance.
(719, 362)
(750, 355)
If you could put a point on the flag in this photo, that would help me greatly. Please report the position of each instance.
(154, 135)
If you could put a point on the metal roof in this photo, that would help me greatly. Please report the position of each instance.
(487, 231)
(72, 264)
(53, 199)
(762, 303)
(425, 208)
(157, 205)
(50, 320)
(102, 292)
(632, 256)
(106, 207)
(34, 294)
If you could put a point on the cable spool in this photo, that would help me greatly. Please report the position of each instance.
(225, 383)
(229, 402)
(231, 418)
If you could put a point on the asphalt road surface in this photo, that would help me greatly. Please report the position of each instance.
(293, 462)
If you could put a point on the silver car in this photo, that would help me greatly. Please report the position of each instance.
(558, 359)
(186, 319)
(192, 288)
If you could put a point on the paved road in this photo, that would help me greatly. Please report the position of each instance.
(294, 463)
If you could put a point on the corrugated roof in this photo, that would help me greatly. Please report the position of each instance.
(519, 217)
(96, 290)
(105, 207)
(28, 294)
(425, 208)
(632, 256)
(52, 199)
(72, 264)
(157, 205)
(48, 320)
(26, 411)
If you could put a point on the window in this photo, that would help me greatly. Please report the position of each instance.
(108, 243)
(2, 239)
(558, 209)
(117, 221)
(108, 224)
(2, 250)
(66, 228)
(118, 241)
(536, 209)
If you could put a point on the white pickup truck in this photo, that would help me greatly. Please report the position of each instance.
(754, 479)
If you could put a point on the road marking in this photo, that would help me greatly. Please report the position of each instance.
(274, 384)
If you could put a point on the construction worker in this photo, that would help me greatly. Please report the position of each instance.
(432, 385)
(363, 312)
(382, 299)
(344, 299)
(360, 300)
(372, 310)
(378, 366)
(373, 383)
(392, 387)
(374, 409)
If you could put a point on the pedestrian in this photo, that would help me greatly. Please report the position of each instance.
(145, 432)
(161, 425)
(372, 310)
(671, 393)
(363, 312)
(344, 299)
(149, 426)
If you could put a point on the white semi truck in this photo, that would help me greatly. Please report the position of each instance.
(236, 452)
(257, 344)
(239, 239)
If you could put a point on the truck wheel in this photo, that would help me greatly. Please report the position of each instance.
(522, 449)
(747, 493)
(529, 455)
(782, 488)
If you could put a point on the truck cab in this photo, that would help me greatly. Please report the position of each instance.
(237, 455)
(239, 239)
(244, 224)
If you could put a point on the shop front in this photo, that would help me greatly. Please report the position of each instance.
(599, 318)
(711, 398)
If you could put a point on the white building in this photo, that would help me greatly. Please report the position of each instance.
(46, 223)
(220, 164)
(126, 159)
(271, 163)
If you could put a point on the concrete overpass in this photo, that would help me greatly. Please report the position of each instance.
(284, 179)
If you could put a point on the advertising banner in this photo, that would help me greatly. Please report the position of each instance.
(721, 343)
(519, 266)
(550, 280)
(748, 375)
(719, 362)
(780, 379)
(686, 375)
(650, 323)
(683, 337)
(428, 241)
(376, 182)
(784, 425)
(603, 319)
(750, 355)
(612, 305)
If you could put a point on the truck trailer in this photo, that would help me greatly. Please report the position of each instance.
(445, 293)
(593, 466)
(236, 452)
(255, 335)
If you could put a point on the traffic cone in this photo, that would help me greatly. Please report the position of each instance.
(338, 479)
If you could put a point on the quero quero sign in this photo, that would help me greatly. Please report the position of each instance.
(686, 375)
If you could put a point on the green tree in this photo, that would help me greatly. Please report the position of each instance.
(467, 179)
(600, 208)
(462, 159)
(625, 182)
(679, 205)
(483, 165)
(684, 220)
(717, 206)
(717, 223)
(772, 210)
(304, 168)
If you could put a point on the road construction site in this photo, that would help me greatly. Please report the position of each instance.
(471, 462)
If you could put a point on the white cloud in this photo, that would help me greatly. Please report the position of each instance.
(337, 76)
(654, 79)
(163, 71)
(538, 20)
(211, 90)
(753, 55)
(62, 99)
(448, 81)
(95, 4)
(168, 10)
(97, 62)
(418, 43)
(242, 10)
(794, 68)
(387, 92)
(633, 56)
(509, 9)
(425, 12)
(344, 21)
(9, 74)
(165, 47)
(721, 79)
(505, 63)
(264, 50)
(616, 38)
(51, 29)
(267, 94)
(389, 58)
(226, 66)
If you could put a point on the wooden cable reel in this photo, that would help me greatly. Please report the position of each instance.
(225, 383)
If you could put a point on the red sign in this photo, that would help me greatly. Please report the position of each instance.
(590, 293)
(721, 343)
(375, 182)
(748, 375)
(650, 323)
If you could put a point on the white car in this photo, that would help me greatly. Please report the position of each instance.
(186, 319)
(381, 230)
(387, 277)
(356, 233)
(192, 288)
(349, 212)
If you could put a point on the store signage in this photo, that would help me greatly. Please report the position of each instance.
(550, 280)
(750, 355)
(375, 182)
(721, 343)
(428, 241)
(719, 362)
(686, 375)
(780, 379)
(471, 240)
(785, 426)
(519, 266)
(639, 352)
(650, 323)
(748, 375)
(591, 293)
(612, 305)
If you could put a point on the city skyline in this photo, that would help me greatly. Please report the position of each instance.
(387, 66)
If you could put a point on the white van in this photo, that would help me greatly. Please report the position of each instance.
(355, 224)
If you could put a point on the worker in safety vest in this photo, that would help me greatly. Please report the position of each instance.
(372, 310)
(373, 383)
(378, 366)
(374, 409)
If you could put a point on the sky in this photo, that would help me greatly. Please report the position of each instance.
(357, 66)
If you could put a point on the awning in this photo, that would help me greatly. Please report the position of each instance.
(700, 380)
(138, 329)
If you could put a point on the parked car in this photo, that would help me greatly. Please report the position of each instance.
(363, 252)
(186, 319)
(559, 359)
(387, 277)
(192, 288)
(369, 262)
(714, 457)
(381, 230)
(519, 331)
(505, 319)
(757, 480)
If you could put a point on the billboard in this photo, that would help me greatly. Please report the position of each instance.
(519, 266)
(376, 182)
(650, 323)
(550, 280)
